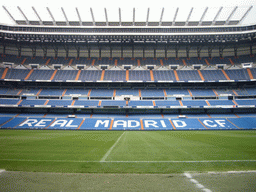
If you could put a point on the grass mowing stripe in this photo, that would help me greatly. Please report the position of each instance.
(75, 161)
(109, 151)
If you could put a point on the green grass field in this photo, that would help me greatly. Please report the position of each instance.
(127, 152)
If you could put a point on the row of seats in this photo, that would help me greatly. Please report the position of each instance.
(56, 102)
(135, 92)
(141, 116)
(131, 75)
(130, 61)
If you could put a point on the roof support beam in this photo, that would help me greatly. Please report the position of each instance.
(50, 13)
(147, 17)
(93, 20)
(175, 16)
(23, 15)
(106, 16)
(40, 20)
(189, 15)
(78, 15)
(161, 17)
(246, 13)
(204, 13)
(133, 19)
(64, 13)
(231, 14)
(9, 13)
(120, 17)
(217, 15)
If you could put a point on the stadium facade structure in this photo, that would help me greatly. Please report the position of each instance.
(196, 60)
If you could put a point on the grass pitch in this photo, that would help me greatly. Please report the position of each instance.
(126, 152)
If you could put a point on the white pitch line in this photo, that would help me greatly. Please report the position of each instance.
(232, 172)
(76, 161)
(109, 151)
(197, 184)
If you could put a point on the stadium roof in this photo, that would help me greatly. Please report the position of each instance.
(127, 13)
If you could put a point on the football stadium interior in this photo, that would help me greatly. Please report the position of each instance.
(127, 91)
(116, 75)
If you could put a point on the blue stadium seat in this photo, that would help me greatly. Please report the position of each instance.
(9, 101)
(65, 75)
(41, 75)
(33, 102)
(58, 102)
(246, 101)
(113, 103)
(77, 91)
(90, 75)
(102, 93)
(167, 103)
(188, 75)
(176, 91)
(86, 103)
(221, 102)
(16, 73)
(139, 75)
(115, 75)
(134, 92)
(51, 92)
(194, 103)
(152, 93)
(238, 74)
(140, 103)
(213, 75)
(164, 75)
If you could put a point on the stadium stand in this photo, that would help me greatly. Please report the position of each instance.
(158, 81)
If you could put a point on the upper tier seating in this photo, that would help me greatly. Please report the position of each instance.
(102, 93)
(163, 75)
(115, 75)
(124, 61)
(9, 101)
(41, 75)
(16, 73)
(238, 74)
(65, 75)
(134, 75)
(138, 75)
(51, 92)
(134, 92)
(92, 75)
(152, 93)
(213, 75)
(188, 75)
